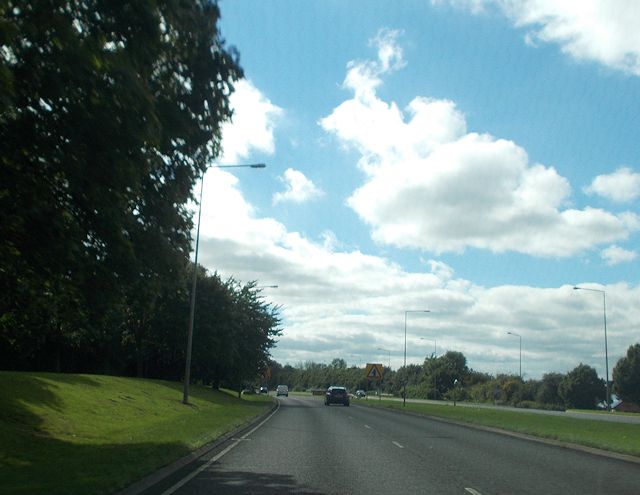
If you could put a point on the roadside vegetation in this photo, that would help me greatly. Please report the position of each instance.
(108, 119)
(80, 434)
(448, 377)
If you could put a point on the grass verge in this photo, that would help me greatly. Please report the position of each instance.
(79, 434)
(615, 437)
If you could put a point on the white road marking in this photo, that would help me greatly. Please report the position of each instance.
(473, 491)
(367, 427)
(215, 458)
(397, 445)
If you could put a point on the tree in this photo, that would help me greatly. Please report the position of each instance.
(444, 371)
(626, 375)
(548, 391)
(581, 388)
(109, 112)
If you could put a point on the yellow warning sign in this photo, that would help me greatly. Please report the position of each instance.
(374, 371)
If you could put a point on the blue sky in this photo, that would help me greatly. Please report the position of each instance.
(475, 158)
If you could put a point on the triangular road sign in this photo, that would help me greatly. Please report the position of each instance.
(374, 371)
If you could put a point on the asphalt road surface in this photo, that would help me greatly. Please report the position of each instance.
(308, 448)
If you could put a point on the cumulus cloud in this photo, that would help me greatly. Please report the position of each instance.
(339, 302)
(433, 185)
(621, 186)
(603, 31)
(614, 255)
(298, 188)
(252, 126)
(364, 77)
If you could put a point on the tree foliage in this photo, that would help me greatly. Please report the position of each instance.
(581, 388)
(626, 375)
(449, 377)
(109, 112)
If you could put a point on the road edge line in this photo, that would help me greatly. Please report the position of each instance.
(143, 484)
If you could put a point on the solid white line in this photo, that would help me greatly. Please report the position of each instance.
(472, 491)
(215, 458)
(397, 445)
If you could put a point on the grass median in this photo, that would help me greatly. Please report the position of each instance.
(79, 434)
(616, 437)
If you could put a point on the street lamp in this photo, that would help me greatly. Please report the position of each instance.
(519, 337)
(386, 350)
(404, 387)
(606, 351)
(192, 307)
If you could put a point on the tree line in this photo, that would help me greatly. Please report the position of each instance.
(109, 113)
(448, 377)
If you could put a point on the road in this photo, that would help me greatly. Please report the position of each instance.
(309, 448)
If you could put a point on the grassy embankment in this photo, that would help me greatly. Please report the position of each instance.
(616, 437)
(79, 434)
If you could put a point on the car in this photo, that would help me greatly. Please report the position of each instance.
(336, 395)
(264, 390)
(360, 394)
(282, 390)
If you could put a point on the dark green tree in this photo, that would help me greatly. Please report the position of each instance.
(548, 390)
(109, 112)
(581, 388)
(444, 370)
(626, 375)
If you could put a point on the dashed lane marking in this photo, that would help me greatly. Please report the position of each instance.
(397, 445)
(473, 491)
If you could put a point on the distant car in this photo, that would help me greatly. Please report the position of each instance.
(282, 390)
(336, 395)
(264, 390)
(361, 394)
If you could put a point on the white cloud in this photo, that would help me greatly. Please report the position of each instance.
(364, 77)
(345, 303)
(252, 126)
(340, 302)
(614, 255)
(298, 188)
(432, 185)
(621, 186)
(604, 31)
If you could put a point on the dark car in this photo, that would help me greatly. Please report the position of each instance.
(336, 395)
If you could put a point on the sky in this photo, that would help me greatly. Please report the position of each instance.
(473, 158)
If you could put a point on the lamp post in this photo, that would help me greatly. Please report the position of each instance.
(388, 351)
(404, 386)
(192, 306)
(519, 337)
(606, 351)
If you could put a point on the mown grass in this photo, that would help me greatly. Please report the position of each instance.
(616, 437)
(80, 434)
